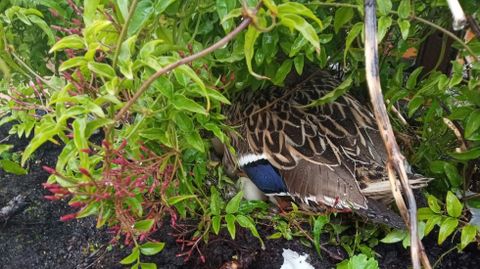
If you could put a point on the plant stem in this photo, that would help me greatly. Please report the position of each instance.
(133, 6)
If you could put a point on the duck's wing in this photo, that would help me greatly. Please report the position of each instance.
(316, 149)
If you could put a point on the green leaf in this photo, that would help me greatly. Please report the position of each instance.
(181, 102)
(394, 236)
(447, 227)
(454, 206)
(404, 28)
(141, 15)
(135, 205)
(151, 248)
(132, 257)
(425, 213)
(298, 62)
(384, 7)
(215, 201)
(360, 261)
(73, 62)
(148, 265)
(412, 79)
(248, 223)
(68, 42)
(125, 62)
(90, 209)
(248, 48)
(334, 94)
(431, 222)
(415, 104)
(46, 133)
(466, 155)
(230, 219)
(342, 16)
(282, 72)
(234, 203)
(216, 224)
(102, 69)
(12, 167)
(404, 9)
(383, 24)
(224, 8)
(89, 9)
(472, 123)
(80, 141)
(301, 25)
(318, 225)
(270, 4)
(452, 174)
(299, 9)
(433, 204)
(177, 199)
(144, 225)
(352, 34)
(469, 233)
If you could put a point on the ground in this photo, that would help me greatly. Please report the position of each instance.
(35, 238)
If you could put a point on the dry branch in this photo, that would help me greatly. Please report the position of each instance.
(396, 161)
(459, 19)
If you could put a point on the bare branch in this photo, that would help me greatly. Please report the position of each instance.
(459, 19)
(396, 161)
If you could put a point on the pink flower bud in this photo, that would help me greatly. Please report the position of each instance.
(49, 170)
(68, 217)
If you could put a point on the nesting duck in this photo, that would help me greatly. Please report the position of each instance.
(329, 155)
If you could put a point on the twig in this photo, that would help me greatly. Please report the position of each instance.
(396, 161)
(459, 19)
(133, 6)
(457, 133)
(13, 206)
(222, 42)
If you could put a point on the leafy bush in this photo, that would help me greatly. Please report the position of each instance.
(84, 75)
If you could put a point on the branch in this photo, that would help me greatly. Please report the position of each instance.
(222, 42)
(133, 6)
(396, 161)
(459, 19)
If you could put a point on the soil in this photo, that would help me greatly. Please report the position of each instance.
(35, 238)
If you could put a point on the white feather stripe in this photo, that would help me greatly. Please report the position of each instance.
(247, 158)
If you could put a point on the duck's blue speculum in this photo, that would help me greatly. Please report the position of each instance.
(265, 176)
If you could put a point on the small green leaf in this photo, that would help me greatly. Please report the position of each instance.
(454, 206)
(384, 6)
(12, 167)
(415, 104)
(148, 265)
(433, 204)
(177, 199)
(318, 225)
(447, 227)
(215, 201)
(250, 37)
(431, 222)
(383, 24)
(298, 62)
(404, 28)
(73, 62)
(394, 236)
(102, 69)
(89, 9)
(230, 219)
(301, 25)
(404, 9)
(151, 248)
(468, 235)
(342, 16)
(299, 9)
(144, 225)
(472, 123)
(132, 257)
(216, 224)
(135, 205)
(352, 34)
(412, 79)
(46, 133)
(425, 213)
(68, 42)
(90, 209)
(452, 174)
(334, 94)
(466, 155)
(282, 72)
(234, 203)
(181, 102)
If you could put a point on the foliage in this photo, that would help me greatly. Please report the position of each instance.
(69, 68)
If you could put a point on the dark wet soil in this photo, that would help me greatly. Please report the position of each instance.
(35, 238)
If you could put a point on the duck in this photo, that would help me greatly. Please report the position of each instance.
(323, 157)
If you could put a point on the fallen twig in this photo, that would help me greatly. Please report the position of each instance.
(396, 161)
(13, 206)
